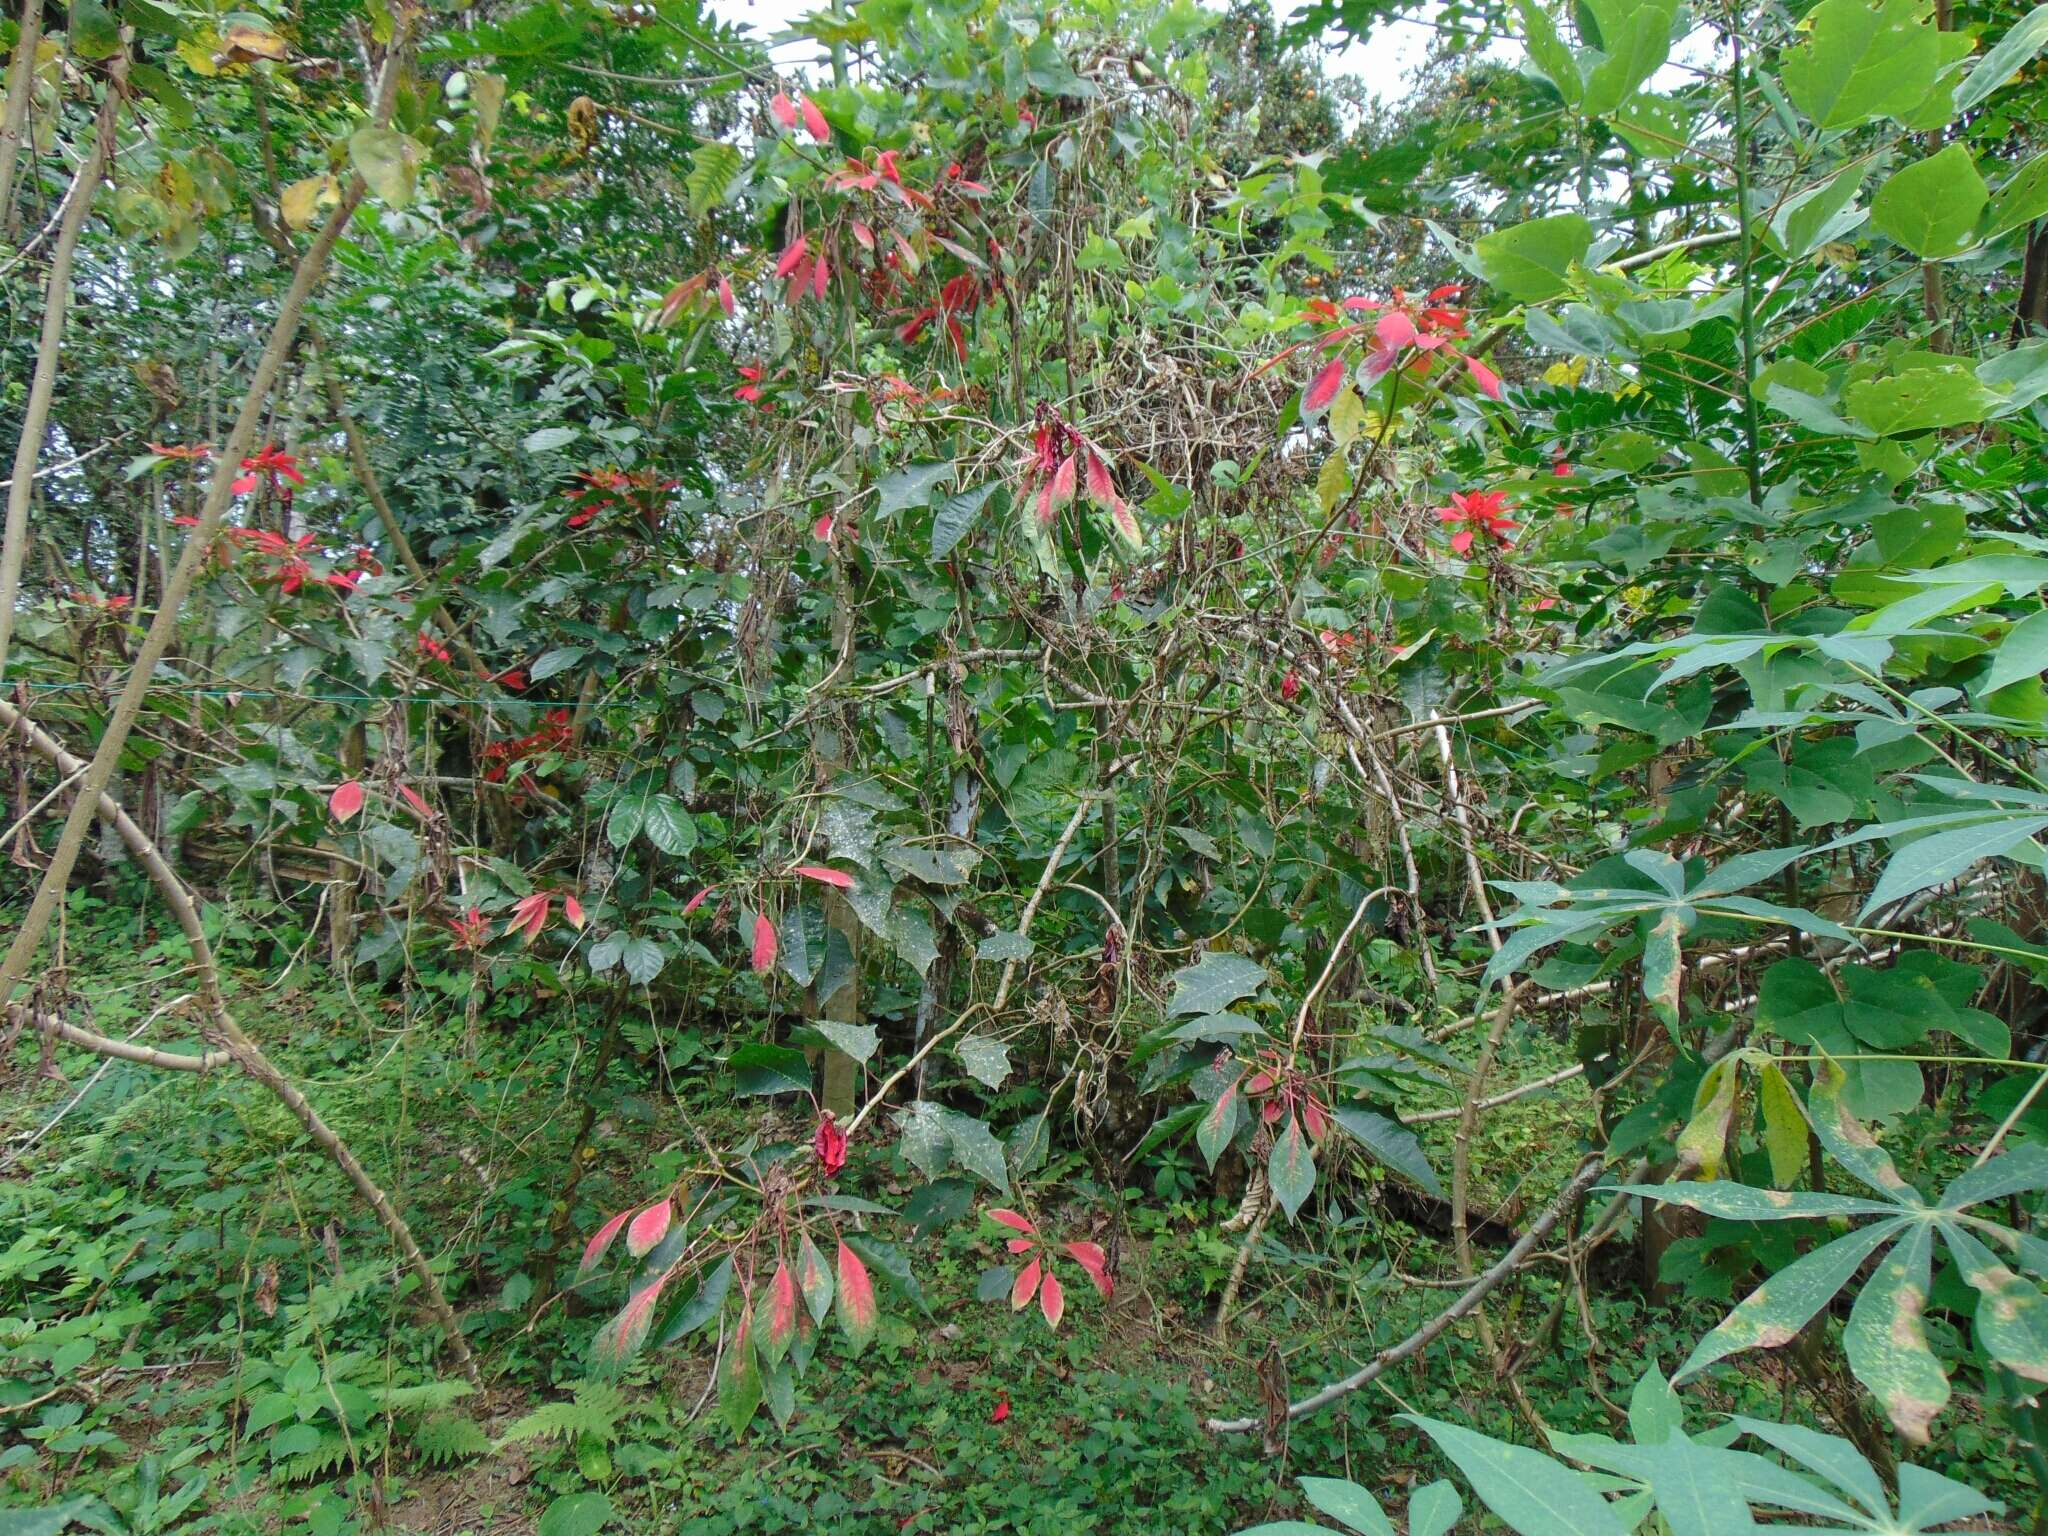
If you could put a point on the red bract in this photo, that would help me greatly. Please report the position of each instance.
(420, 808)
(824, 875)
(649, 1227)
(346, 800)
(270, 465)
(749, 392)
(829, 1142)
(697, 900)
(764, 943)
(472, 930)
(1482, 514)
(530, 915)
(784, 110)
(814, 121)
(600, 1241)
(555, 733)
(1290, 686)
(1406, 334)
(1095, 1263)
(572, 909)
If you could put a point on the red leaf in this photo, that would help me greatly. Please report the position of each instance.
(725, 294)
(1091, 1258)
(622, 1337)
(814, 122)
(824, 876)
(781, 1308)
(821, 530)
(784, 110)
(856, 1300)
(530, 915)
(1063, 482)
(1322, 389)
(1487, 380)
(1026, 1286)
(1126, 523)
(829, 1142)
(411, 798)
(792, 254)
(697, 900)
(1001, 1411)
(1052, 1301)
(1100, 489)
(1020, 1244)
(649, 1227)
(1046, 510)
(600, 1241)
(819, 275)
(1395, 329)
(764, 943)
(346, 800)
(1012, 1220)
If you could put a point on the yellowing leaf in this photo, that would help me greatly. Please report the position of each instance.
(1784, 1125)
(1705, 1137)
(301, 202)
(244, 45)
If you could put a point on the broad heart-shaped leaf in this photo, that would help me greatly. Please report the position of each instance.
(1886, 1337)
(1531, 262)
(1919, 399)
(2027, 37)
(1776, 1310)
(762, 1068)
(2012, 1314)
(668, 825)
(1434, 1508)
(1530, 1492)
(1860, 62)
(909, 487)
(1745, 1202)
(1349, 1503)
(1389, 1142)
(2022, 199)
(1291, 1170)
(1635, 39)
(1931, 207)
(1213, 983)
(388, 160)
(987, 1061)
(857, 1312)
(576, 1514)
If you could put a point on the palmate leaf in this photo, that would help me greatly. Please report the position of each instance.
(1886, 1337)
(2022, 1169)
(2012, 1314)
(1773, 1313)
(1532, 1493)
(1844, 1139)
(1745, 1202)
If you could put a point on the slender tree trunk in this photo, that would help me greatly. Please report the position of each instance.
(21, 85)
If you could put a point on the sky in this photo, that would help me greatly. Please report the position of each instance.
(1383, 67)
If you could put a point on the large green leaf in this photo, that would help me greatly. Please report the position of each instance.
(1745, 1202)
(1389, 1142)
(1773, 1313)
(1348, 1503)
(1213, 983)
(1529, 1491)
(2025, 38)
(1932, 206)
(1860, 62)
(1886, 1337)
(1531, 262)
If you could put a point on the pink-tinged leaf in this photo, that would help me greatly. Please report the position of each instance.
(1043, 505)
(697, 900)
(1315, 1121)
(1026, 1286)
(837, 878)
(779, 1326)
(814, 1280)
(1101, 490)
(784, 110)
(1063, 480)
(1395, 329)
(1012, 1220)
(864, 235)
(621, 1338)
(1021, 1244)
(346, 800)
(820, 274)
(1092, 1259)
(600, 1241)
(1052, 1300)
(1126, 524)
(1322, 389)
(1487, 380)
(821, 530)
(799, 285)
(725, 295)
(814, 122)
(649, 1227)
(764, 943)
(411, 797)
(572, 909)
(529, 915)
(792, 254)
(856, 1300)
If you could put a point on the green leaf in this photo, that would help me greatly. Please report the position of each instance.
(1773, 1313)
(1530, 1492)
(669, 825)
(1745, 1202)
(1784, 1124)
(641, 958)
(977, 1149)
(1654, 1412)
(388, 160)
(956, 514)
(713, 166)
(739, 1382)
(1932, 206)
(2012, 1314)
(987, 1061)
(1886, 1337)
(1349, 1503)
(1291, 1169)
(1859, 63)
(1390, 1143)
(1434, 1509)
(548, 439)
(95, 31)
(2019, 1171)
(699, 1307)
(1634, 40)
(761, 1068)
(2023, 653)
(1704, 1138)
(576, 1514)
(856, 1040)
(1549, 53)
(1213, 983)
(1531, 262)
(1664, 966)
(1943, 856)
(2023, 198)
(911, 486)
(2027, 37)
(1219, 1123)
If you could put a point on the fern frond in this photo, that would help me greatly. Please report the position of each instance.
(446, 1437)
(595, 1411)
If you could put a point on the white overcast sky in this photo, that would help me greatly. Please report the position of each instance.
(1383, 68)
